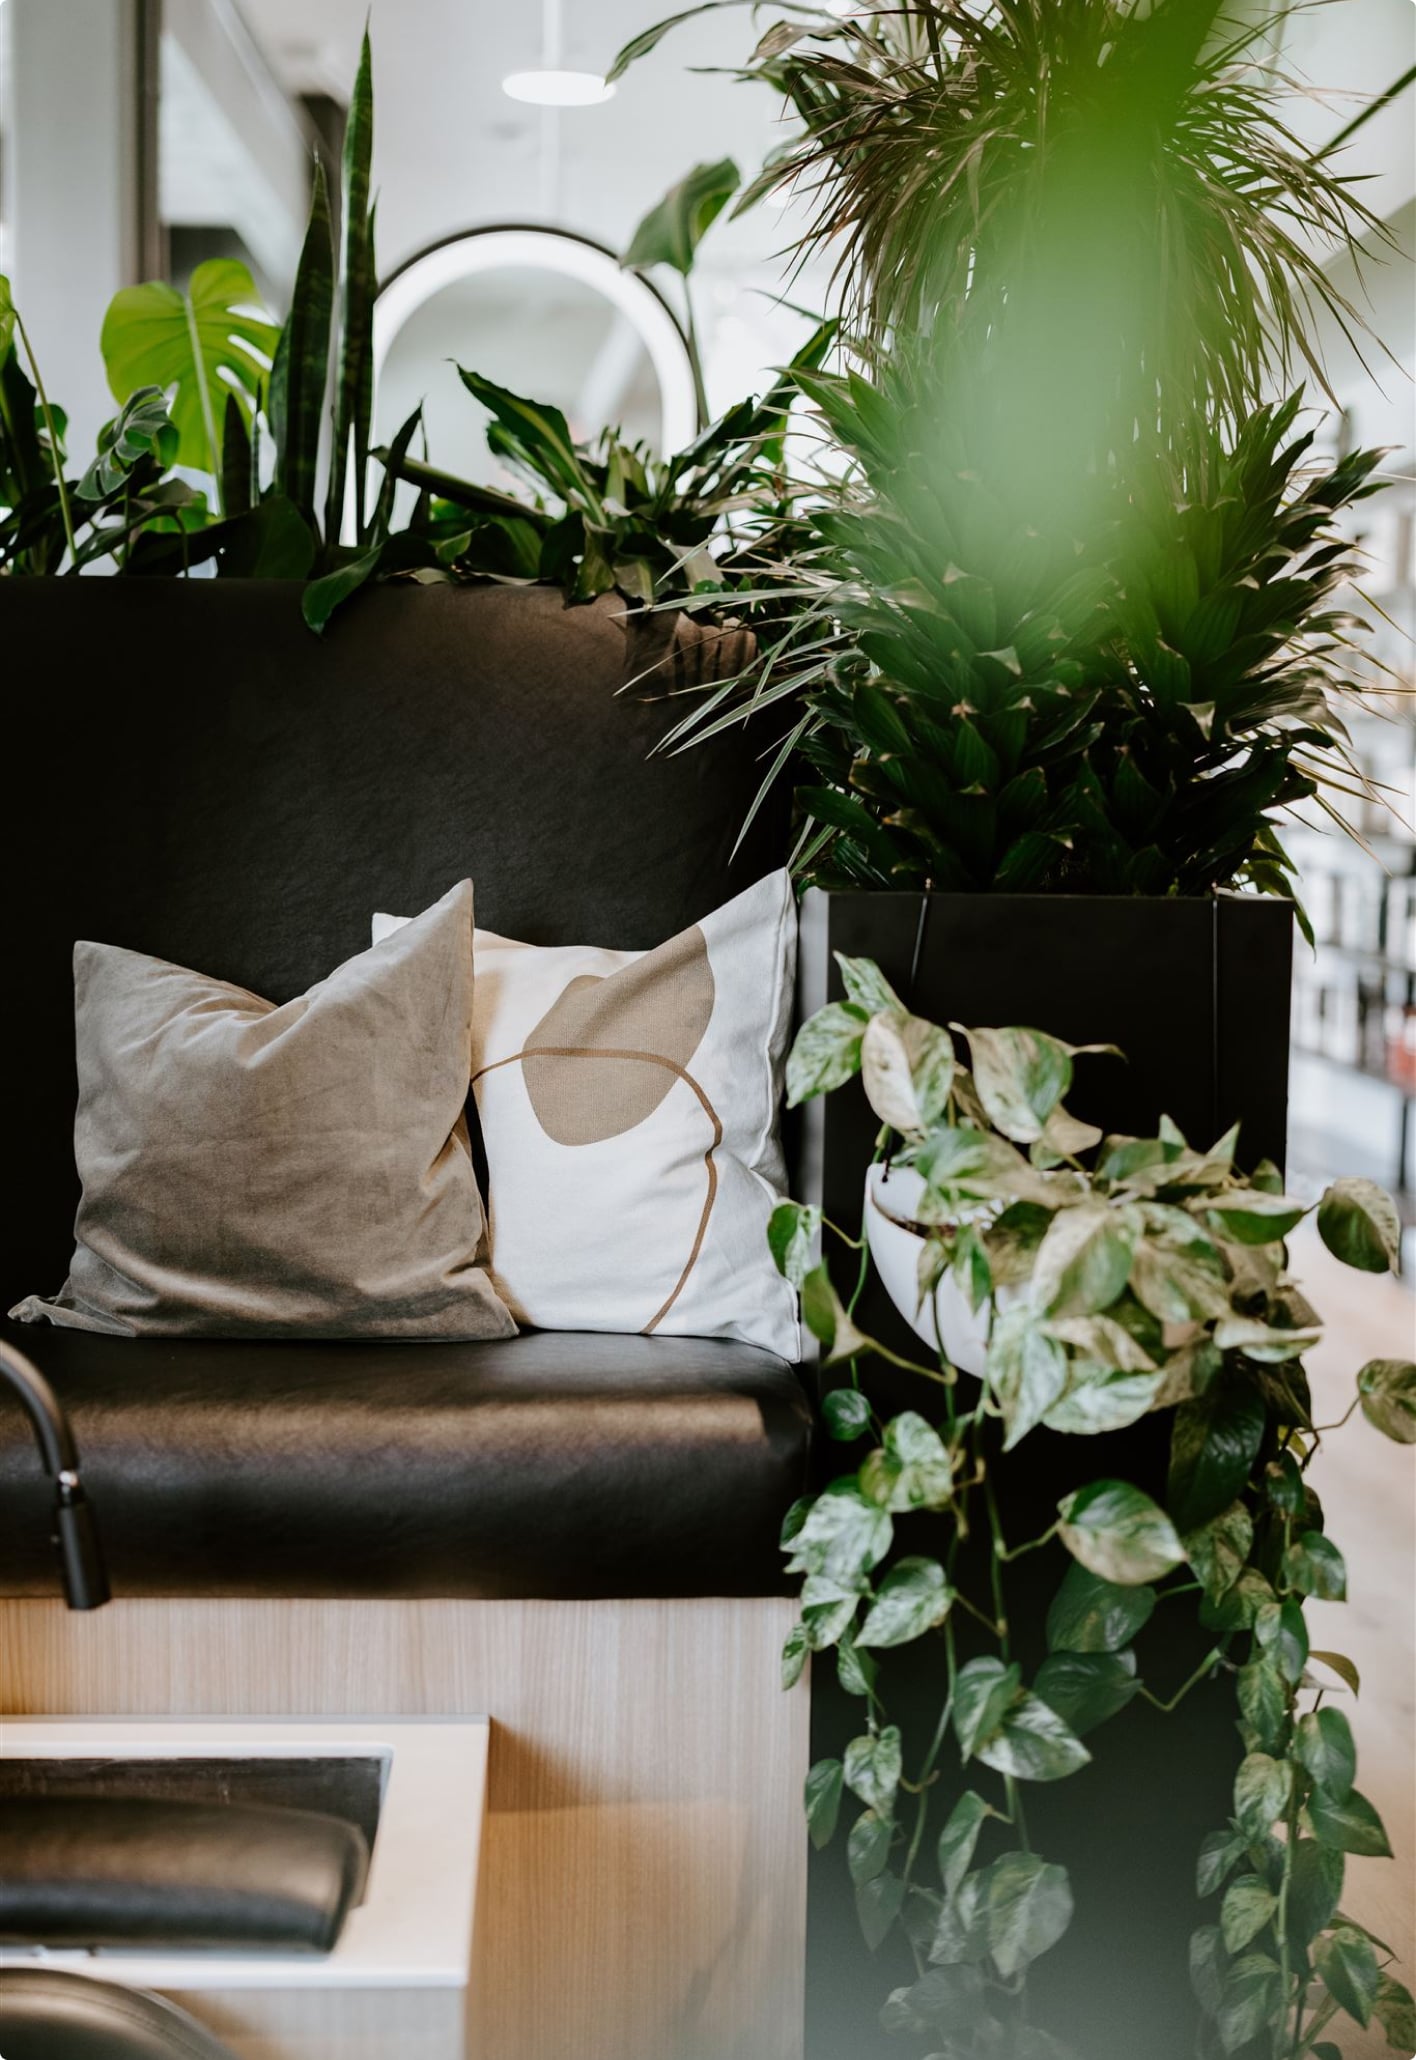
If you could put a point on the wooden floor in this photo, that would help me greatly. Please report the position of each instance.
(1368, 1489)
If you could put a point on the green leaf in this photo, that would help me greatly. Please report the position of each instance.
(536, 435)
(1341, 1665)
(300, 372)
(828, 1607)
(7, 316)
(1219, 1549)
(842, 1536)
(913, 1597)
(872, 1769)
(961, 1931)
(202, 344)
(1033, 1743)
(846, 1414)
(142, 429)
(1314, 1888)
(1207, 1959)
(866, 985)
(353, 393)
(1021, 1077)
(945, 1999)
(323, 596)
(794, 1655)
(1029, 1906)
(1358, 1222)
(1026, 1369)
(1119, 1533)
(1251, 1217)
(1269, 1344)
(878, 1904)
(912, 1470)
(856, 1671)
(1089, 1614)
(1099, 1399)
(826, 1052)
(1178, 1271)
(826, 1318)
(1323, 1744)
(907, 1070)
(1261, 1791)
(1281, 1632)
(792, 1231)
(823, 1801)
(1263, 1702)
(1086, 1688)
(1349, 1971)
(1388, 1391)
(650, 39)
(1314, 1566)
(959, 1837)
(982, 1692)
(868, 1847)
(671, 231)
(1214, 1442)
(1395, 2011)
(1250, 1996)
(1083, 1262)
(1219, 1851)
(1350, 1826)
(1248, 1906)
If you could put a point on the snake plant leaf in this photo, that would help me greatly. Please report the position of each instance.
(198, 346)
(353, 395)
(301, 369)
(671, 232)
(238, 482)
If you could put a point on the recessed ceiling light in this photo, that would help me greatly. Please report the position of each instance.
(557, 88)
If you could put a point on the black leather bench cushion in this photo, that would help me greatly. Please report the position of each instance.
(555, 1464)
(49, 2015)
(142, 1872)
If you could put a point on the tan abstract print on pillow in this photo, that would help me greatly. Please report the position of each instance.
(628, 1104)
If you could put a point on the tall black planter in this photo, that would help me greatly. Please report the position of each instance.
(1196, 993)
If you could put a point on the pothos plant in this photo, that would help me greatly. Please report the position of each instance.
(1113, 1276)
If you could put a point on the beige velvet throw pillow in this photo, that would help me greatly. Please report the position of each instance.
(301, 1171)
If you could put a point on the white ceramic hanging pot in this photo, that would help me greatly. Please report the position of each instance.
(944, 1321)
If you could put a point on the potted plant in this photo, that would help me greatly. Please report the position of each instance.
(1120, 1281)
(1066, 641)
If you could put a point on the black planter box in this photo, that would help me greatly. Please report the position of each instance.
(1196, 994)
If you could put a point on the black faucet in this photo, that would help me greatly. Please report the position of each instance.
(80, 1560)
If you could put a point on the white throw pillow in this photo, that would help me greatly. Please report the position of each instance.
(629, 1103)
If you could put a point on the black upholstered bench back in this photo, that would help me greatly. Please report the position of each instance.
(192, 773)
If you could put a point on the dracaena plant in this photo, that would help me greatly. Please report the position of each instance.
(1111, 1278)
(1124, 705)
(1104, 195)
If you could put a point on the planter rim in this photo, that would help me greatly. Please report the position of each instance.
(986, 899)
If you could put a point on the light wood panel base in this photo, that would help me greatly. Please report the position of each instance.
(643, 1884)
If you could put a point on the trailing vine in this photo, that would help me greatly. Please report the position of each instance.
(1104, 1279)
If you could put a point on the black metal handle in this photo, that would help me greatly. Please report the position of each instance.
(75, 1534)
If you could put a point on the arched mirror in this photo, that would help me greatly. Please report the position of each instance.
(549, 314)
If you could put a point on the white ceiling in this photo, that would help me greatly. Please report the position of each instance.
(452, 150)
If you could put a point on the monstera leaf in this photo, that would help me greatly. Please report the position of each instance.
(200, 345)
